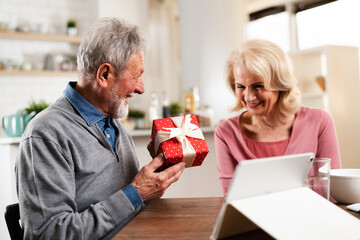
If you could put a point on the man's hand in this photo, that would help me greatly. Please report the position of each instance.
(151, 184)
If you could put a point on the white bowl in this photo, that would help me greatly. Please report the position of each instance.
(345, 185)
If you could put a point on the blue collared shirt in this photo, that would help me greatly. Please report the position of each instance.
(92, 115)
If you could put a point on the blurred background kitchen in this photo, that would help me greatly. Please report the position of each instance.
(190, 42)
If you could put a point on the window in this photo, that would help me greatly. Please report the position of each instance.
(274, 28)
(335, 23)
(318, 23)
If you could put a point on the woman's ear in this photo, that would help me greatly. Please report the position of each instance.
(103, 74)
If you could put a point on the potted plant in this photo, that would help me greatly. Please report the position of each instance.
(71, 27)
(176, 109)
(138, 117)
(35, 106)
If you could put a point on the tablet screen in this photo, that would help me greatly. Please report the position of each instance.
(265, 175)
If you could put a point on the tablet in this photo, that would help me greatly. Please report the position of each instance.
(270, 194)
(259, 177)
(265, 175)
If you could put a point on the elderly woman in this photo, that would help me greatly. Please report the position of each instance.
(271, 121)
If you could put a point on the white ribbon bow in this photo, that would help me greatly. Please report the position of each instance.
(184, 128)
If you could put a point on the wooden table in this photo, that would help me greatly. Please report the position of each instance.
(182, 218)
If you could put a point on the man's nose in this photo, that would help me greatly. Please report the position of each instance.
(140, 88)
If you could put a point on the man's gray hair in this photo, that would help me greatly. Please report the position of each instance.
(109, 40)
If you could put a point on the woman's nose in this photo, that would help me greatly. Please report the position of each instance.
(249, 95)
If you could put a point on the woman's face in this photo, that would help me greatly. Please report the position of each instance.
(252, 93)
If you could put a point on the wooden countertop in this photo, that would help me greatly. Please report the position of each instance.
(183, 218)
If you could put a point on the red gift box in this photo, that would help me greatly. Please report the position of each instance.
(180, 139)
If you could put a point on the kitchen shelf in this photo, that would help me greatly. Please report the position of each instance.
(40, 37)
(37, 73)
(10, 140)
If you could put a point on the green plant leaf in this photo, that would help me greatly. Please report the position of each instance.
(135, 113)
(176, 108)
(71, 23)
(34, 106)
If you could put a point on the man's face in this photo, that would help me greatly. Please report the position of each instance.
(124, 88)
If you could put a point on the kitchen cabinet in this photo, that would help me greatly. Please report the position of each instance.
(328, 78)
(39, 37)
(8, 151)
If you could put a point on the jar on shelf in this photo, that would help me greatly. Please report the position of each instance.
(154, 108)
(205, 116)
(192, 100)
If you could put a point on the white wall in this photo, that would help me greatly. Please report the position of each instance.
(209, 31)
(135, 11)
(17, 91)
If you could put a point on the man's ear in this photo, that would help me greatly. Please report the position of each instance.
(103, 73)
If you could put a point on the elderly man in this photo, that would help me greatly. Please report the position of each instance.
(77, 171)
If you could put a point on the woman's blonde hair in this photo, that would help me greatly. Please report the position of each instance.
(268, 62)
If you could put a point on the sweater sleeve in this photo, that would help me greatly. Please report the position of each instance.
(226, 164)
(46, 183)
(327, 141)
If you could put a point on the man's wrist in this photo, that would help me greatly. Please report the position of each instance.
(133, 195)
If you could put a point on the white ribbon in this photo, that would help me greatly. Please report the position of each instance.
(184, 128)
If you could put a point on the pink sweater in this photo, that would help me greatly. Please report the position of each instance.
(313, 131)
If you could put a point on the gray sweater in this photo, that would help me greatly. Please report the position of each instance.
(70, 180)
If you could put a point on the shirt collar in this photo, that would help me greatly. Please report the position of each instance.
(90, 113)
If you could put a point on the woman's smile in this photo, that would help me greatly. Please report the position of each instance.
(253, 104)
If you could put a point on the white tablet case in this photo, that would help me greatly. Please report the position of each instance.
(269, 193)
